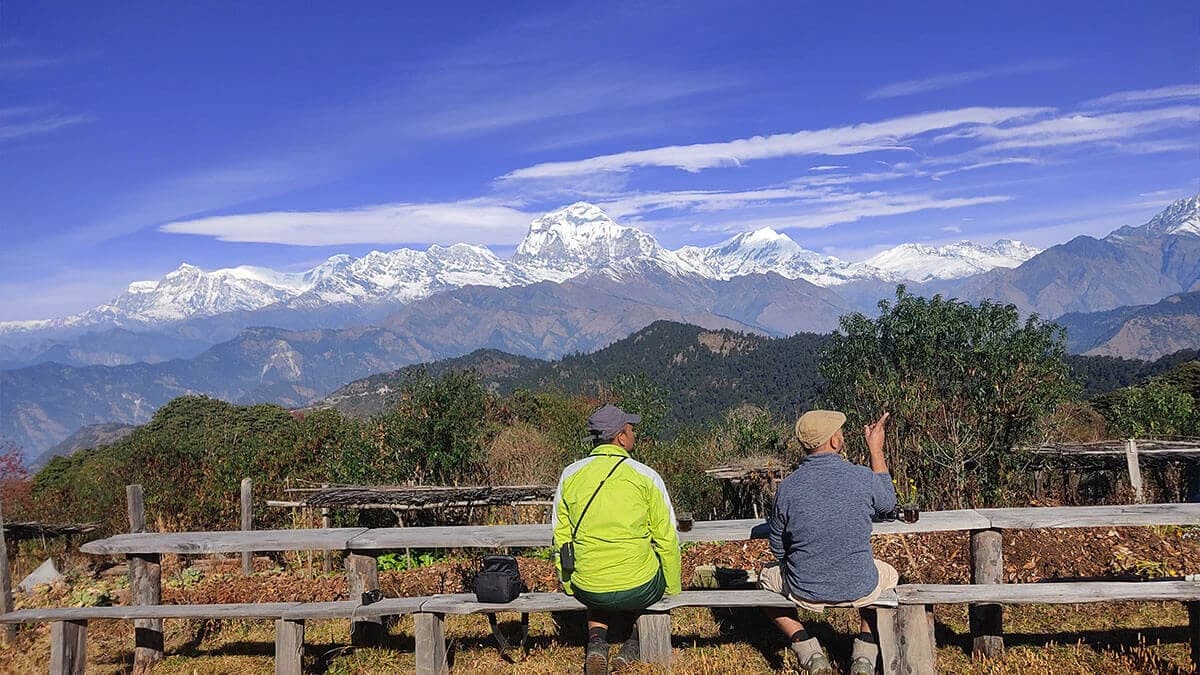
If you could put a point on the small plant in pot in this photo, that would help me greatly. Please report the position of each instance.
(907, 508)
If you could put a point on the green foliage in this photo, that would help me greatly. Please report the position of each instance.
(399, 562)
(1157, 408)
(966, 385)
(638, 394)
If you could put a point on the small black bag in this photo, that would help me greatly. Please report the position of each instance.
(499, 580)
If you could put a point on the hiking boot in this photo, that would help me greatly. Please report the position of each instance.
(627, 655)
(596, 661)
(862, 666)
(810, 660)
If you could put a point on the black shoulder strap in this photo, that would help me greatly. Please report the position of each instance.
(579, 521)
(503, 643)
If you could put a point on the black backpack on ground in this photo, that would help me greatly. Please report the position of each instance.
(499, 580)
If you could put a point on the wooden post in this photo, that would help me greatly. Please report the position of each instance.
(326, 522)
(9, 632)
(68, 647)
(145, 588)
(247, 524)
(430, 632)
(1135, 471)
(1194, 632)
(362, 575)
(289, 647)
(917, 652)
(654, 638)
(987, 567)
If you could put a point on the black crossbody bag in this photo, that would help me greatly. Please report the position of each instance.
(566, 552)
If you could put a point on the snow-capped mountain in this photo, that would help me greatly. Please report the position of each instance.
(918, 262)
(581, 237)
(1179, 218)
(574, 240)
(766, 250)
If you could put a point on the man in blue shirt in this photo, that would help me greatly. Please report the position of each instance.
(821, 535)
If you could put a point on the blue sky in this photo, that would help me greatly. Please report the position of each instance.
(135, 136)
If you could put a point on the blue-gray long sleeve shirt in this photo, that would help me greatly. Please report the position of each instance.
(821, 527)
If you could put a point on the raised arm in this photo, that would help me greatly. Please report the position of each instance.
(875, 436)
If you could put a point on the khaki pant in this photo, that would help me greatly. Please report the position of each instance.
(771, 579)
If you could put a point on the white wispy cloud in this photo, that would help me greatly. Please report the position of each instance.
(19, 65)
(1075, 129)
(475, 221)
(948, 80)
(1173, 92)
(848, 140)
(827, 167)
(18, 122)
(852, 208)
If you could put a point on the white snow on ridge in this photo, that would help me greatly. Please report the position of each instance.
(918, 262)
(562, 244)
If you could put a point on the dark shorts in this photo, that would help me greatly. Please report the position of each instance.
(633, 599)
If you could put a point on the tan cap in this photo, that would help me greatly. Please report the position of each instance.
(817, 426)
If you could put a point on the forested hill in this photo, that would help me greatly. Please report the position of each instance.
(705, 372)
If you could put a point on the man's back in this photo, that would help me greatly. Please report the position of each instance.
(822, 527)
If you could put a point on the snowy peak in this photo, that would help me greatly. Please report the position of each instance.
(1181, 217)
(765, 250)
(918, 262)
(579, 237)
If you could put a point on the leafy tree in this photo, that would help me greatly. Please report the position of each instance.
(966, 386)
(1157, 408)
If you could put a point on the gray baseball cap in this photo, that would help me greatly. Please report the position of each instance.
(607, 422)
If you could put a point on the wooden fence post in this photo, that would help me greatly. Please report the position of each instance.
(1194, 632)
(987, 567)
(9, 631)
(1135, 470)
(247, 524)
(145, 588)
(362, 575)
(917, 653)
(326, 522)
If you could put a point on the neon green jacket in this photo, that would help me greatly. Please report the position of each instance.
(629, 531)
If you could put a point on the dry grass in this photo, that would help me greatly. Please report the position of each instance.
(523, 455)
(1115, 638)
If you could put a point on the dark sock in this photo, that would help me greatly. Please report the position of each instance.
(633, 634)
(597, 635)
(800, 636)
(865, 637)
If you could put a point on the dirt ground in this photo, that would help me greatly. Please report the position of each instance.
(1108, 638)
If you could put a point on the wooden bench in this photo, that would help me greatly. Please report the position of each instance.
(68, 625)
(654, 626)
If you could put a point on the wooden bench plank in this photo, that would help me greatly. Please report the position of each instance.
(334, 539)
(339, 609)
(1050, 593)
(1133, 515)
(465, 603)
(391, 607)
(261, 610)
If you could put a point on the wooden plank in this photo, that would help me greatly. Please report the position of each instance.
(430, 632)
(253, 610)
(340, 609)
(1132, 515)
(1050, 593)
(68, 647)
(390, 607)
(917, 652)
(654, 639)
(362, 576)
(8, 633)
(936, 521)
(289, 647)
(247, 524)
(462, 536)
(987, 567)
(1135, 470)
(465, 603)
(196, 543)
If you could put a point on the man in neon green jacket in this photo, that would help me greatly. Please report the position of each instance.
(616, 514)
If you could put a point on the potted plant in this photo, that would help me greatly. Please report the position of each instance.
(907, 508)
